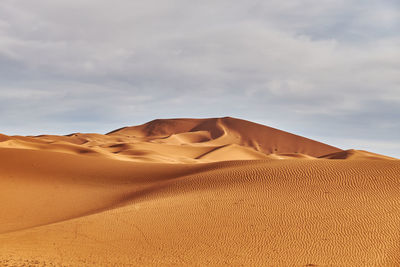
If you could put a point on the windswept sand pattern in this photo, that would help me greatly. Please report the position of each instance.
(299, 207)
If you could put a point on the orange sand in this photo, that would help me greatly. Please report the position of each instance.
(195, 192)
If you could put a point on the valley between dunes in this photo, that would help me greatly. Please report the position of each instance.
(195, 192)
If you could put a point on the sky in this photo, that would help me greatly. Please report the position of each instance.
(325, 69)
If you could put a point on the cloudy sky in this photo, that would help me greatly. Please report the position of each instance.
(325, 69)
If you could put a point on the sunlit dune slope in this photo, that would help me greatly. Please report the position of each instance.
(57, 186)
(195, 192)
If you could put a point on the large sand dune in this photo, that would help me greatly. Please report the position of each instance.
(195, 192)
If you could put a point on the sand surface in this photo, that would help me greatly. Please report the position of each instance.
(195, 192)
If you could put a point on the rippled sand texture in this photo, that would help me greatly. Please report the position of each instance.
(195, 192)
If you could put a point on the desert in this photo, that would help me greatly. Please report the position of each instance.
(195, 192)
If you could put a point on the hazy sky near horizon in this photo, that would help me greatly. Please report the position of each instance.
(325, 69)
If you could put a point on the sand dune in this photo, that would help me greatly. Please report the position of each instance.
(180, 141)
(224, 131)
(195, 192)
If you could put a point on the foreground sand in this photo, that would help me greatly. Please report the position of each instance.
(71, 201)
